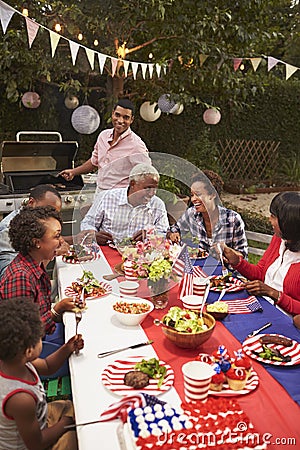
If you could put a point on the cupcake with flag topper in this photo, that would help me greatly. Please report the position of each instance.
(220, 353)
(241, 360)
(236, 378)
(218, 379)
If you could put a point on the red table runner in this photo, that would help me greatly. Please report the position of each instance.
(270, 408)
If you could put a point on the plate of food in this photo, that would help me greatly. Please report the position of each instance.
(91, 286)
(251, 384)
(273, 349)
(197, 253)
(229, 283)
(78, 254)
(138, 373)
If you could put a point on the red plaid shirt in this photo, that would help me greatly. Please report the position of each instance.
(23, 277)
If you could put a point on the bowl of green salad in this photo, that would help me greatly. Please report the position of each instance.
(186, 329)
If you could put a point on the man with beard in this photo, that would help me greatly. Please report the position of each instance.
(116, 151)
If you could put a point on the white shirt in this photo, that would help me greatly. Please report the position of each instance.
(277, 271)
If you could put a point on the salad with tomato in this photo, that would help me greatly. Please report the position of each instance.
(184, 320)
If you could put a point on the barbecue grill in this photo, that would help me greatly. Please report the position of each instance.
(28, 163)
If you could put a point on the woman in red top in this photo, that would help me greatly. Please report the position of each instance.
(277, 274)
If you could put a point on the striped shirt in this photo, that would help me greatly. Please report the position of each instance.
(230, 229)
(10, 438)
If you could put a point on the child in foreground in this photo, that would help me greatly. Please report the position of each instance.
(26, 420)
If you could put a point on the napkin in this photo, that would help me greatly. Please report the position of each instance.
(243, 305)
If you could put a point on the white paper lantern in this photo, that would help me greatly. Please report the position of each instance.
(71, 102)
(165, 104)
(178, 108)
(149, 112)
(212, 116)
(31, 100)
(85, 119)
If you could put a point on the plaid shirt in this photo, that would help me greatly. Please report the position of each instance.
(25, 278)
(230, 229)
(111, 212)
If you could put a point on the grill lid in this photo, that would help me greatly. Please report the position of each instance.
(25, 164)
(37, 155)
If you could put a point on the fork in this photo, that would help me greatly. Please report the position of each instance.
(78, 317)
(224, 270)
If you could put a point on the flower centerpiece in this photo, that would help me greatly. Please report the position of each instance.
(153, 259)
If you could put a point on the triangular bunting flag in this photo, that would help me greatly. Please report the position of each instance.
(126, 65)
(90, 56)
(289, 70)
(101, 59)
(74, 47)
(54, 40)
(135, 67)
(272, 62)
(114, 63)
(202, 58)
(151, 67)
(236, 63)
(144, 69)
(255, 63)
(6, 13)
(32, 29)
(158, 69)
(165, 68)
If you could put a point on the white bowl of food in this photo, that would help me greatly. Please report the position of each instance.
(132, 312)
(128, 287)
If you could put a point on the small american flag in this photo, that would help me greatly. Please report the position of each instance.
(183, 267)
(243, 305)
(120, 409)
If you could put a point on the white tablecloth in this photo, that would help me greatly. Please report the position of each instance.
(101, 332)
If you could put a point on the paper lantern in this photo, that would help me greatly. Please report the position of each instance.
(149, 112)
(178, 110)
(71, 102)
(165, 104)
(85, 119)
(212, 116)
(31, 100)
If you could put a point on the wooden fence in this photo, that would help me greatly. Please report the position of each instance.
(248, 159)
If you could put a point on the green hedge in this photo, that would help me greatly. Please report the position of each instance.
(272, 115)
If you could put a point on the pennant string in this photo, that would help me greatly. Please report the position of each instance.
(6, 13)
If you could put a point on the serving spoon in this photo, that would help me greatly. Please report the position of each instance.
(158, 323)
(205, 295)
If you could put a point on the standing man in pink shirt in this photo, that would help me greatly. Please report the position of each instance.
(116, 151)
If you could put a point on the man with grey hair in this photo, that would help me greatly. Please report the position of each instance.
(128, 212)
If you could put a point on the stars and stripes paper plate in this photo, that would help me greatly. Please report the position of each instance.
(104, 289)
(113, 377)
(230, 284)
(251, 385)
(253, 344)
